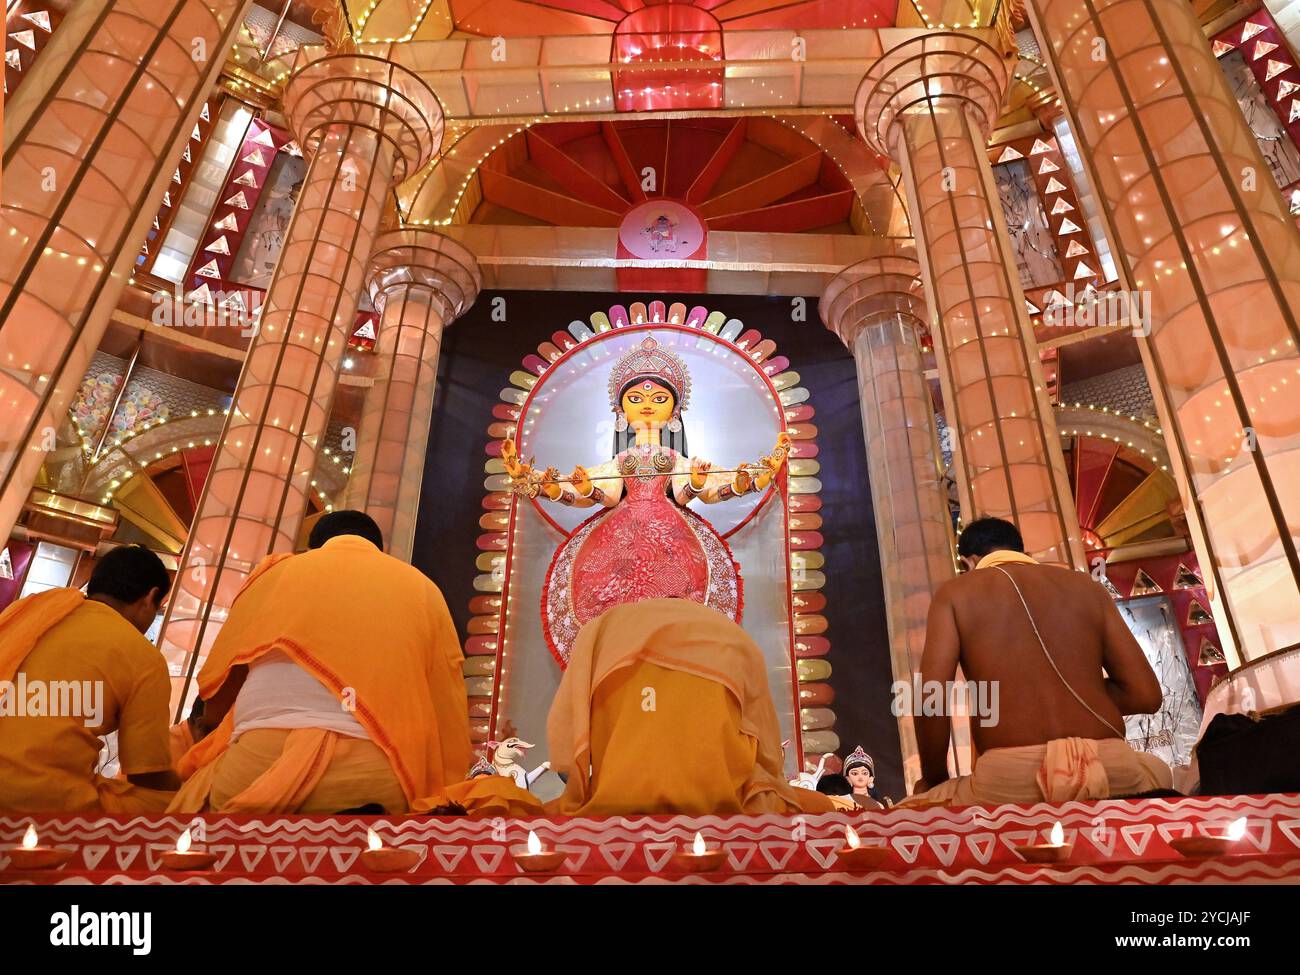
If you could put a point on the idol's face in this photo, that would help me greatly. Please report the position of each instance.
(647, 404)
(860, 778)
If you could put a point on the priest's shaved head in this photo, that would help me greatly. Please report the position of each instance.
(346, 522)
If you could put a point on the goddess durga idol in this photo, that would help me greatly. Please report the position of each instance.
(644, 543)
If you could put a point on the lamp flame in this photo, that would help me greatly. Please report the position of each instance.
(183, 841)
(373, 841)
(1058, 835)
(698, 847)
(30, 837)
(534, 844)
(851, 838)
(1237, 829)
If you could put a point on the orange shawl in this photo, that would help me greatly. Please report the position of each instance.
(688, 638)
(23, 623)
(373, 630)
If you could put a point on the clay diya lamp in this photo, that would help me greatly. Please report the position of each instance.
(854, 856)
(699, 859)
(1210, 844)
(30, 855)
(1055, 850)
(184, 858)
(386, 859)
(536, 858)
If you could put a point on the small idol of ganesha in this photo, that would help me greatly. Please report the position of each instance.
(644, 543)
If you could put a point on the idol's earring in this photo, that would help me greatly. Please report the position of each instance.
(675, 424)
(620, 423)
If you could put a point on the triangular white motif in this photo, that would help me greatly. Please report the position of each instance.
(204, 113)
(238, 200)
(1136, 836)
(1068, 226)
(1047, 166)
(1295, 110)
(981, 846)
(196, 135)
(210, 270)
(1075, 249)
(1054, 299)
(617, 854)
(219, 246)
(1083, 271)
(449, 857)
(366, 331)
(176, 176)
(945, 847)
(1275, 68)
(1250, 30)
(282, 856)
(186, 154)
(1054, 185)
(1061, 206)
(907, 847)
(1040, 146)
(167, 198)
(27, 38)
(1032, 308)
(1286, 89)
(202, 293)
(777, 853)
(14, 59)
(292, 148)
(344, 857)
(1222, 47)
(227, 222)
(488, 858)
(1009, 154)
(263, 138)
(144, 248)
(156, 224)
(91, 855)
(739, 855)
(41, 18)
(254, 158)
(1262, 48)
(249, 178)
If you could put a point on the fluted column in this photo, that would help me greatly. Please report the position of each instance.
(877, 307)
(90, 143)
(929, 104)
(1201, 229)
(367, 124)
(420, 282)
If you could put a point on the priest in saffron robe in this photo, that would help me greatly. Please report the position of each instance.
(63, 648)
(665, 708)
(335, 684)
(1068, 670)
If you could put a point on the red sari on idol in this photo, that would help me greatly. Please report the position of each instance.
(647, 546)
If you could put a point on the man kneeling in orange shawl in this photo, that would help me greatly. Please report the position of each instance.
(665, 708)
(335, 684)
(61, 647)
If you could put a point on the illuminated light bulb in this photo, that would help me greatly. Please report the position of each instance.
(183, 841)
(30, 838)
(1057, 837)
(534, 844)
(1236, 829)
(373, 842)
(851, 838)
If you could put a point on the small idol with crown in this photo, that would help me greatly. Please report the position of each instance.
(860, 770)
(644, 543)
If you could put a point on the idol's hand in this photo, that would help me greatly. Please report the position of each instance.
(780, 452)
(742, 482)
(581, 482)
(699, 474)
(549, 485)
(510, 457)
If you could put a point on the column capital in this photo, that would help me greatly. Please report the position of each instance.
(885, 287)
(367, 92)
(957, 69)
(425, 259)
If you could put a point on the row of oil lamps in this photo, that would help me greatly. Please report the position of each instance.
(534, 857)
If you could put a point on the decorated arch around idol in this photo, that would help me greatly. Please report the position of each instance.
(557, 408)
